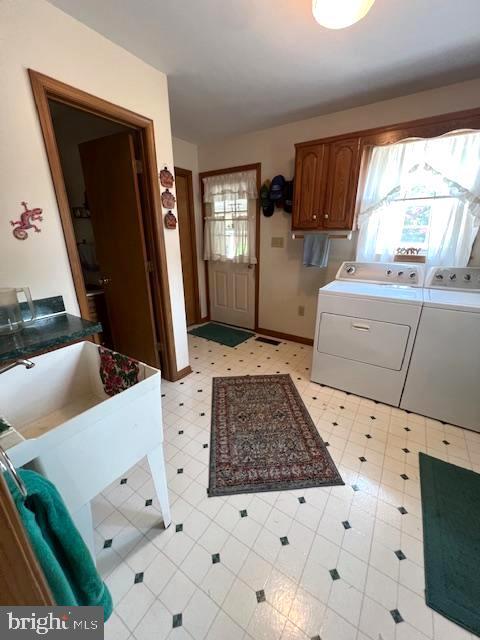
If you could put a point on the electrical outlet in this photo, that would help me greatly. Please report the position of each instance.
(301, 310)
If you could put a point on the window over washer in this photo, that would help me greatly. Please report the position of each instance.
(422, 195)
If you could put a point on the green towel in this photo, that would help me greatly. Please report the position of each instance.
(4, 425)
(58, 546)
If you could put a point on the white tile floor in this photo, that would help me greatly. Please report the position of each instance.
(354, 558)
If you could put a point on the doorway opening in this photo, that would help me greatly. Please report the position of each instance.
(73, 129)
(103, 165)
(231, 208)
(188, 244)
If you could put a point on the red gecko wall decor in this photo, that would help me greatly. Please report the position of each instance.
(26, 221)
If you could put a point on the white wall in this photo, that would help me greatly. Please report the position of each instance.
(35, 34)
(284, 282)
(185, 156)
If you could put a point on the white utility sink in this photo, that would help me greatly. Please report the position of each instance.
(68, 429)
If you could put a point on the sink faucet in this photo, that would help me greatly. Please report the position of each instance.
(28, 364)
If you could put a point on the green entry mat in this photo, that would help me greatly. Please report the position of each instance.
(228, 336)
(451, 533)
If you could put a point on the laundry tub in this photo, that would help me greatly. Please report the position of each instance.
(68, 429)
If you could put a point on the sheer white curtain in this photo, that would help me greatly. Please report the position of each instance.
(230, 222)
(425, 194)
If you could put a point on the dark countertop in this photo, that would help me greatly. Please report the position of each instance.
(46, 333)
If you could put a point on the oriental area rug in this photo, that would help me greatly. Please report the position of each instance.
(263, 438)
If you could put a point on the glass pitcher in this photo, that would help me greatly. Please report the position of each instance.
(11, 319)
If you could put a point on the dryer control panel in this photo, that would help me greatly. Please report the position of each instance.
(396, 273)
(455, 278)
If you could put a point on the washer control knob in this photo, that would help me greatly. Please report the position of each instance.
(351, 269)
(412, 275)
(389, 272)
(467, 277)
(400, 273)
(439, 276)
(453, 276)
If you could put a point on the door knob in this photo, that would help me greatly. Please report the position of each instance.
(103, 281)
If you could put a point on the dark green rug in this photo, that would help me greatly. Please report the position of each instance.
(451, 533)
(228, 336)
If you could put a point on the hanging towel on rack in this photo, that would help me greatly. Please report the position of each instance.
(60, 550)
(316, 247)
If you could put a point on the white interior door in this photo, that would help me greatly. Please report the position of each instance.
(232, 293)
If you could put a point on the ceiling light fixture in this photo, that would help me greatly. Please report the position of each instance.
(338, 14)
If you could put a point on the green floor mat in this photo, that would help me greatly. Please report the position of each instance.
(228, 336)
(451, 532)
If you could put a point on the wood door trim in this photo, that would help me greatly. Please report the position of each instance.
(220, 172)
(183, 372)
(45, 88)
(257, 167)
(187, 174)
(22, 581)
(430, 127)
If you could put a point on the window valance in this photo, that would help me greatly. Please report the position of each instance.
(425, 182)
(238, 185)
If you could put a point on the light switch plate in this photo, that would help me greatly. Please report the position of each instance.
(278, 242)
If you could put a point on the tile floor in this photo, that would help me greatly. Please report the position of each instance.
(339, 563)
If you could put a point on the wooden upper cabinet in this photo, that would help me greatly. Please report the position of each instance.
(311, 165)
(327, 170)
(326, 180)
(342, 181)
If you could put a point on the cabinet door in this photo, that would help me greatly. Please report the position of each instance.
(310, 176)
(342, 182)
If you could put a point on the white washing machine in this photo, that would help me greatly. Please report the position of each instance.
(443, 380)
(365, 329)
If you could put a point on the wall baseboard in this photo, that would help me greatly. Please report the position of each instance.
(285, 336)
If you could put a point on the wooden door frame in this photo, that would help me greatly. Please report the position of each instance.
(186, 173)
(257, 167)
(22, 581)
(45, 88)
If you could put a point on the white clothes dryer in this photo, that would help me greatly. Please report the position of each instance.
(366, 324)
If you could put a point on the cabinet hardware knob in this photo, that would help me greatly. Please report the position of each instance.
(326, 216)
(314, 216)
